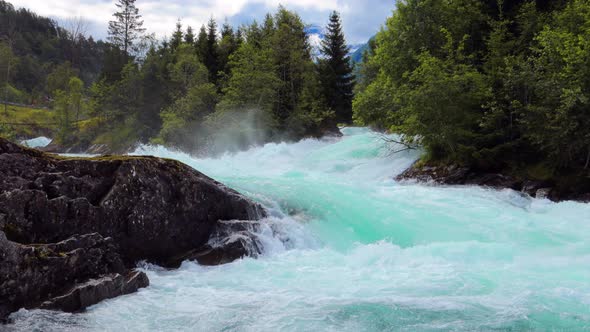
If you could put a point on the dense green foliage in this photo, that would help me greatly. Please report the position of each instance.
(223, 88)
(32, 46)
(496, 85)
(219, 91)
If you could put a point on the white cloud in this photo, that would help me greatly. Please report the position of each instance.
(160, 16)
(315, 40)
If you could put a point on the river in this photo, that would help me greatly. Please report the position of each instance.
(347, 248)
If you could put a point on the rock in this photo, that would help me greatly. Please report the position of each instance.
(32, 273)
(572, 187)
(71, 226)
(153, 208)
(455, 175)
(443, 174)
(99, 149)
(531, 187)
(94, 291)
(543, 193)
(325, 129)
(226, 253)
(85, 148)
(229, 241)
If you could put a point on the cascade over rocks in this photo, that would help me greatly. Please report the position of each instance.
(72, 229)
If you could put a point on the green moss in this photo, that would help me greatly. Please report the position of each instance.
(422, 162)
(43, 253)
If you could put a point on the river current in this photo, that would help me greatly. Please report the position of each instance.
(347, 248)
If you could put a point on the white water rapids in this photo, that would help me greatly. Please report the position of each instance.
(349, 249)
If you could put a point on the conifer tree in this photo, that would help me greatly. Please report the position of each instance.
(291, 52)
(211, 54)
(227, 46)
(336, 71)
(189, 37)
(268, 27)
(127, 26)
(176, 36)
(201, 44)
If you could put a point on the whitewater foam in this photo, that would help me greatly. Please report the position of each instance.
(346, 248)
(39, 142)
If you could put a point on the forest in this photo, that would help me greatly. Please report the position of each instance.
(206, 91)
(495, 85)
(499, 86)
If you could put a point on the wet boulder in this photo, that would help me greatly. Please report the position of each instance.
(98, 217)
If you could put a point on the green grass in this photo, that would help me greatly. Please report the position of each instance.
(23, 122)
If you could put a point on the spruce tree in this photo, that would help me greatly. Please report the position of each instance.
(336, 71)
(227, 46)
(127, 26)
(239, 37)
(189, 37)
(176, 36)
(201, 44)
(227, 31)
(268, 27)
(211, 54)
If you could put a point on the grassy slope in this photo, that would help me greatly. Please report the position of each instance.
(36, 122)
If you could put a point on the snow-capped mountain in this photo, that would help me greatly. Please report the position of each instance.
(316, 34)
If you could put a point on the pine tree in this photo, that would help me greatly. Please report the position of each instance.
(227, 46)
(292, 55)
(226, 31)
(211, 54)
(127, 26)
(336, 71)
(201, 44)
(176, 36)
(268, 26)
(239, 37)
(189, 37)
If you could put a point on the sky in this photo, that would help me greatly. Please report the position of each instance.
(361, 19)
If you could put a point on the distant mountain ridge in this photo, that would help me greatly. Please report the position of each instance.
(356, 56)
(316, 35)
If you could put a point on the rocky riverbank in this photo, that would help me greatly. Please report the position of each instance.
(455, 175)
(72, 229)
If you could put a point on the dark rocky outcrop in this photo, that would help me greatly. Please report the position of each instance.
(229, 241)
(87, 148)
(95, 290)
(72, 229)
(455, 175)
(31, 274)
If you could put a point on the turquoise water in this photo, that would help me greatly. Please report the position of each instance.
(349, 249)
(39, 142)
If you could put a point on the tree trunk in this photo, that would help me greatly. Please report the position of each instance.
(6, 87)
(587, 160)
(77, 113)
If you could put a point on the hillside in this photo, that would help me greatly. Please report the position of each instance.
(33, 46)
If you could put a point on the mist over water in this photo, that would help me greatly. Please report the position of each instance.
(349, 249)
